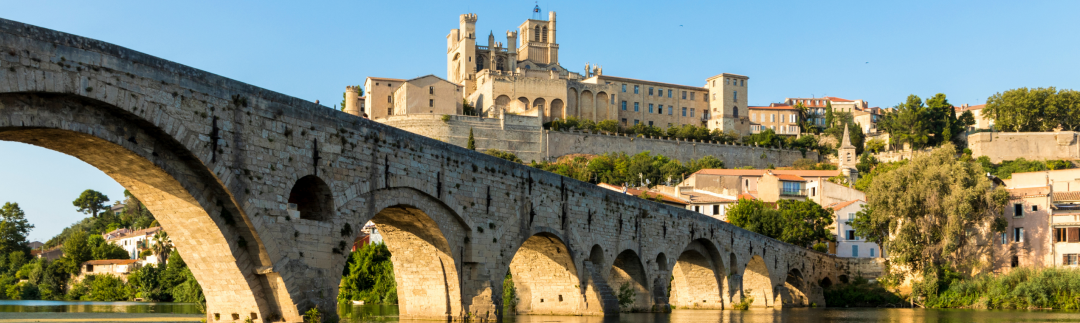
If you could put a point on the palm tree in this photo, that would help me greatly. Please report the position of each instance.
(162, 246)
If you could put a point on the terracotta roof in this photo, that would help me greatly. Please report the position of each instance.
(1029, 192)
(746, 196)
(776, 107)
(111, 262)
(841, 205)
(636, 192)
(833, 98)
(790, 178)
(760, 172)
(142, 232)
(1067, 196)
(385, 79)
(702, 197)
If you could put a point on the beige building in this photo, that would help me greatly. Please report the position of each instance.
(737, 182)
(523, 76)
(119, 268)
(782, 119)
(848, 244)
(1043, 218)
(866, 116)
(981, 121)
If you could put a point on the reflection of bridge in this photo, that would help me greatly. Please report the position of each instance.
(218, 161)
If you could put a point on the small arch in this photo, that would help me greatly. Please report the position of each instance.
(793, 292)
(628, 271)
(544, 34)
(596, 255)
(825, 282)
(312, 199)
(557, 109)
(538, 104)
(543, 268)
(697, 277)
(536, 33)
(757, 283)
(661, 261)
(501, 102)
(735, 112)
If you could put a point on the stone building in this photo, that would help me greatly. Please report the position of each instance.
(1043, 218)
(866, 116)
(737, 182)
(782, 119)
(981, 121)
(134, 241)
(523, 76)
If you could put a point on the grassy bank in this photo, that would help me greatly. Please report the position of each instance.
(1022, 288)
(862, 293)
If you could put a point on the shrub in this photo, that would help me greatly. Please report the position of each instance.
(627, 296)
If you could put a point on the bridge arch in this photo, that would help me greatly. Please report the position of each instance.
(545, 277)
(698, 277)
(426, 239)
(793, 290)
(628, 272)
(312, 198)
(757, 283)
(213, 235)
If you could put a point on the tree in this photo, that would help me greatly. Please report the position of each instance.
(472, 142)
(927, 213)
(830, 117)
(91, 202)
(801, 223)
(1040, 109)
(162, 246)
(77, 250)
(13, 229)
(610, 126)
(875, 145)
(343, 96)
(503, 154)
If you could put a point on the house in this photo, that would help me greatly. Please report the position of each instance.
(135, 241)
(981, 121)
(120, 268)
(652, 195)
(847, 244)
(51, 254)
(782, 119)
(1043, 221)
(735, 182)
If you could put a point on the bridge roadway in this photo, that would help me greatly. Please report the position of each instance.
(218, 161)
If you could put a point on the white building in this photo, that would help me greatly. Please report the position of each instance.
(847, 243)
(134, 241)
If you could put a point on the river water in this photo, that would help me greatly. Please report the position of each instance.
(378, 313)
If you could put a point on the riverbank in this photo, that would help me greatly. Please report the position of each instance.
(6, 317)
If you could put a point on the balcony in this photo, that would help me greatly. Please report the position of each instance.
(791, 192)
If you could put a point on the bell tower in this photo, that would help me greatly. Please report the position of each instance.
(538, 39)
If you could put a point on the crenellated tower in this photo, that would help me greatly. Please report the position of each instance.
(538, 41)
(461, 50)
(352, 101)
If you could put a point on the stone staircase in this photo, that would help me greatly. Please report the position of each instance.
(609, 302)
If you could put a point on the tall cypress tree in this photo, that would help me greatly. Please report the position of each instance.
(472, 142)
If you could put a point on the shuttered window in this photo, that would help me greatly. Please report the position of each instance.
(1074, 234)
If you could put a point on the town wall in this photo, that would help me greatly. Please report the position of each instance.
(560, 143)
(999, 146)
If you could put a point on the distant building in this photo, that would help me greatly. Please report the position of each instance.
(136, 241)
(848, 244)
(736, 182)
(782, 119)
(119, 268)
(36, 245)
(1043, 217)
(652, 195)
(51, 254)
(981, 121)
(866, 116)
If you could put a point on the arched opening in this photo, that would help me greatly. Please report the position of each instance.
(757, 284)
(311, 199)
(793, 293)
(501, 103)
(627, 278)
(599, 297)
(544, 34)
(661, 261)
(522, 105)
(201, 221)
(572, 101)
(587, 106)
(697, 277)
(557, 110)
(545, 278)
(601, 107)
(536, 33)
(425, 270)
(825, 282)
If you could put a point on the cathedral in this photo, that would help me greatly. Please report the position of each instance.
(523, 77)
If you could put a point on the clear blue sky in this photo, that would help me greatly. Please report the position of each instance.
(872, 50)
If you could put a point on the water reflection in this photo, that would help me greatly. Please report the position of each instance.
(376, 313)
(98, 307)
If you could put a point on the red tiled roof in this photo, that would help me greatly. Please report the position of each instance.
(773, 107)
(636, 192)
(790, 178)
(111, 262)
(1067, 196)
(833, 98)
(841, 205)
(1028, 192)
(746, 196)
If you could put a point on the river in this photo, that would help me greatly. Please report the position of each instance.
(377, 313)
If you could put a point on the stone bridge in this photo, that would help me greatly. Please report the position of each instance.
(219, 161)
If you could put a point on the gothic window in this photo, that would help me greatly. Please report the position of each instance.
(536, 34)
(544, 34)
(736, 112)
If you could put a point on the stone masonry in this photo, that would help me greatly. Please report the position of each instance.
(219, 161)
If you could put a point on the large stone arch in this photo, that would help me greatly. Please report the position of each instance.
(558, 110)
(698, 277)
(628, 270)
(426, 239)
(545, 277)
(757, 283)
(572, 102)
(501, 103)
(588, 105)
(603, 104)
(540, 104)
(213, 235)
(793, 290)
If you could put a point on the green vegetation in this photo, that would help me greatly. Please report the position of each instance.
(861, 293)
(312, 315)
(926, 214)
(744, 304)
(925, 125)
(510, 299)
(468, 109)
(91, 202)
(1006, 168)
(627, 296)
(801, 223)
(504, 155)
(1041, 109)
(619, 168)
(369, 276)
(1021, 288)
(810, 164)
(867, 178)
(471, 145)
(342, 107)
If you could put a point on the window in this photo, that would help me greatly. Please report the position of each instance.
(742, 82)
(1018, 209)
(1069, 259)
(735, 96)
(813, 191)
(1015, 261)
(89, 268)
(735, 112)
(772, 118)
(691, 96)
(1059, 234)
(697, 208)
(624, 124)
(850, 234)
(431, 102)
(624, 88)
(716, 209)
(1034, 208)
(660, 109)
(635, 89)
(624, 105)
(612, 99)
(1004, 238)
(650, 107)
(691, 112)
(637, 106)
(650, 90)
(714, 96)
(791, 188)
(872, 250)
(684, 111)
(792, 118)
(431, 90)
(389, 99)
(684, 95)
(389, 111)
(1018, 234)
(854, 250)
(670, 109)
(650, 123)
(727, 81)
(753, 117)
(669, 93)
(850, 216)
(1067, 234)
(636, 122)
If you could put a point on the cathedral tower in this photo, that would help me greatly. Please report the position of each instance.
(538, 41)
